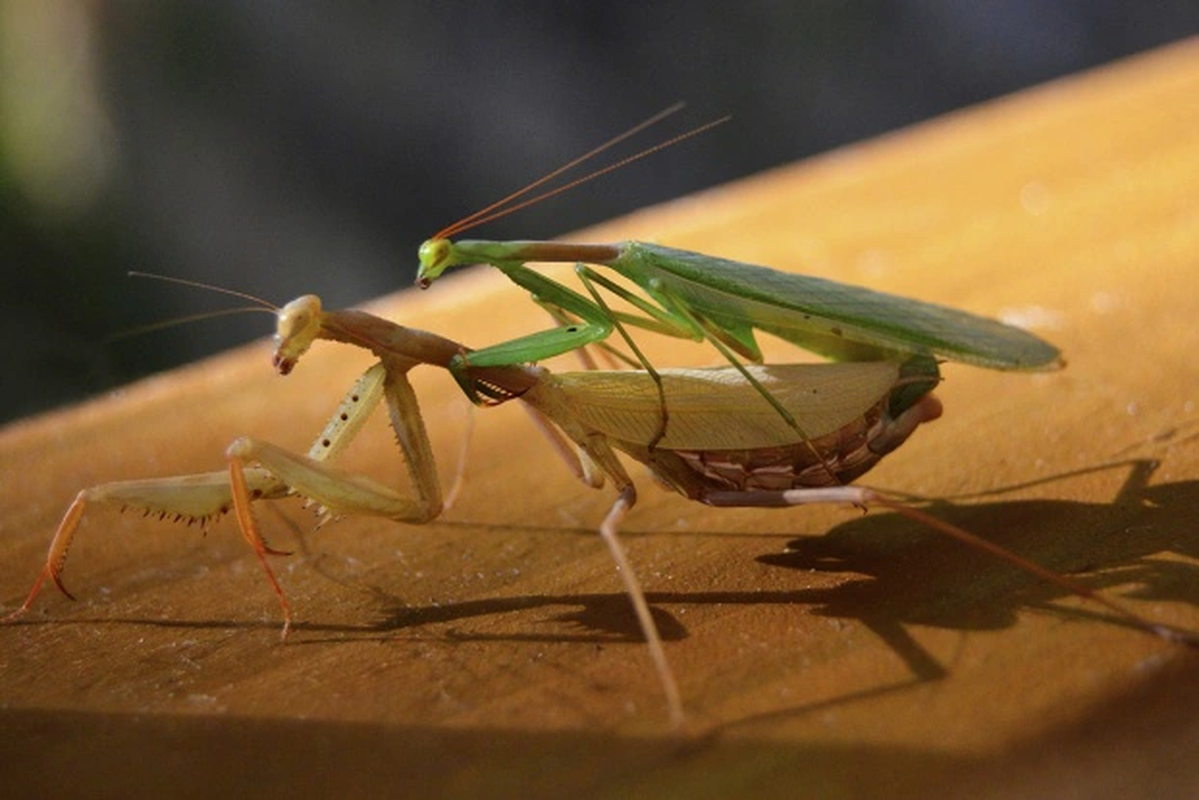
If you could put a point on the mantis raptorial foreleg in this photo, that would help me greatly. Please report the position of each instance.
(341, 492)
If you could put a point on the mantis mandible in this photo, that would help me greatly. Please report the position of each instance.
(727, 446)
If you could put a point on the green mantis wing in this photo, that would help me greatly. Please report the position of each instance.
(836, 320)
(702, 296)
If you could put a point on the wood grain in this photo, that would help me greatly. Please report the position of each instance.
(822, 649)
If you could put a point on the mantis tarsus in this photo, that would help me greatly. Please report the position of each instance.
(726, 445)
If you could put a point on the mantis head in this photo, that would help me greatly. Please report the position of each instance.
(435, 256)
(297, 326)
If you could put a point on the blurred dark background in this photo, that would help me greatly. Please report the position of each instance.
(282, 148)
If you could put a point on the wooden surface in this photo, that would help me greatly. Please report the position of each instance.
(820, 651)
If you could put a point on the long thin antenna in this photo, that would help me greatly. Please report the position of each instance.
(258, 301)
(184, 320)
(258, 305)
(502, 207)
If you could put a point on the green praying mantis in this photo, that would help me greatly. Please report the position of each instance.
(701, 297)
(722, 301)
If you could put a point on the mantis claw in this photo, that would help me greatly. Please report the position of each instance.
(62, 587)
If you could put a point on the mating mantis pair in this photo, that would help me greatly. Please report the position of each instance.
(725, 444)
(739, 435)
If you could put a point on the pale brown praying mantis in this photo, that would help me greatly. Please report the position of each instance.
(726, 445)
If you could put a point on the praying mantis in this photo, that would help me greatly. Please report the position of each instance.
(702, 297)
(726, 446)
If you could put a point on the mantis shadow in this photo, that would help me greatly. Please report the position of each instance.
(908, 576)
(897, 574)
(901, 574)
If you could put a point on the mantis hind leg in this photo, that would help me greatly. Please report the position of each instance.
(862, 496)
